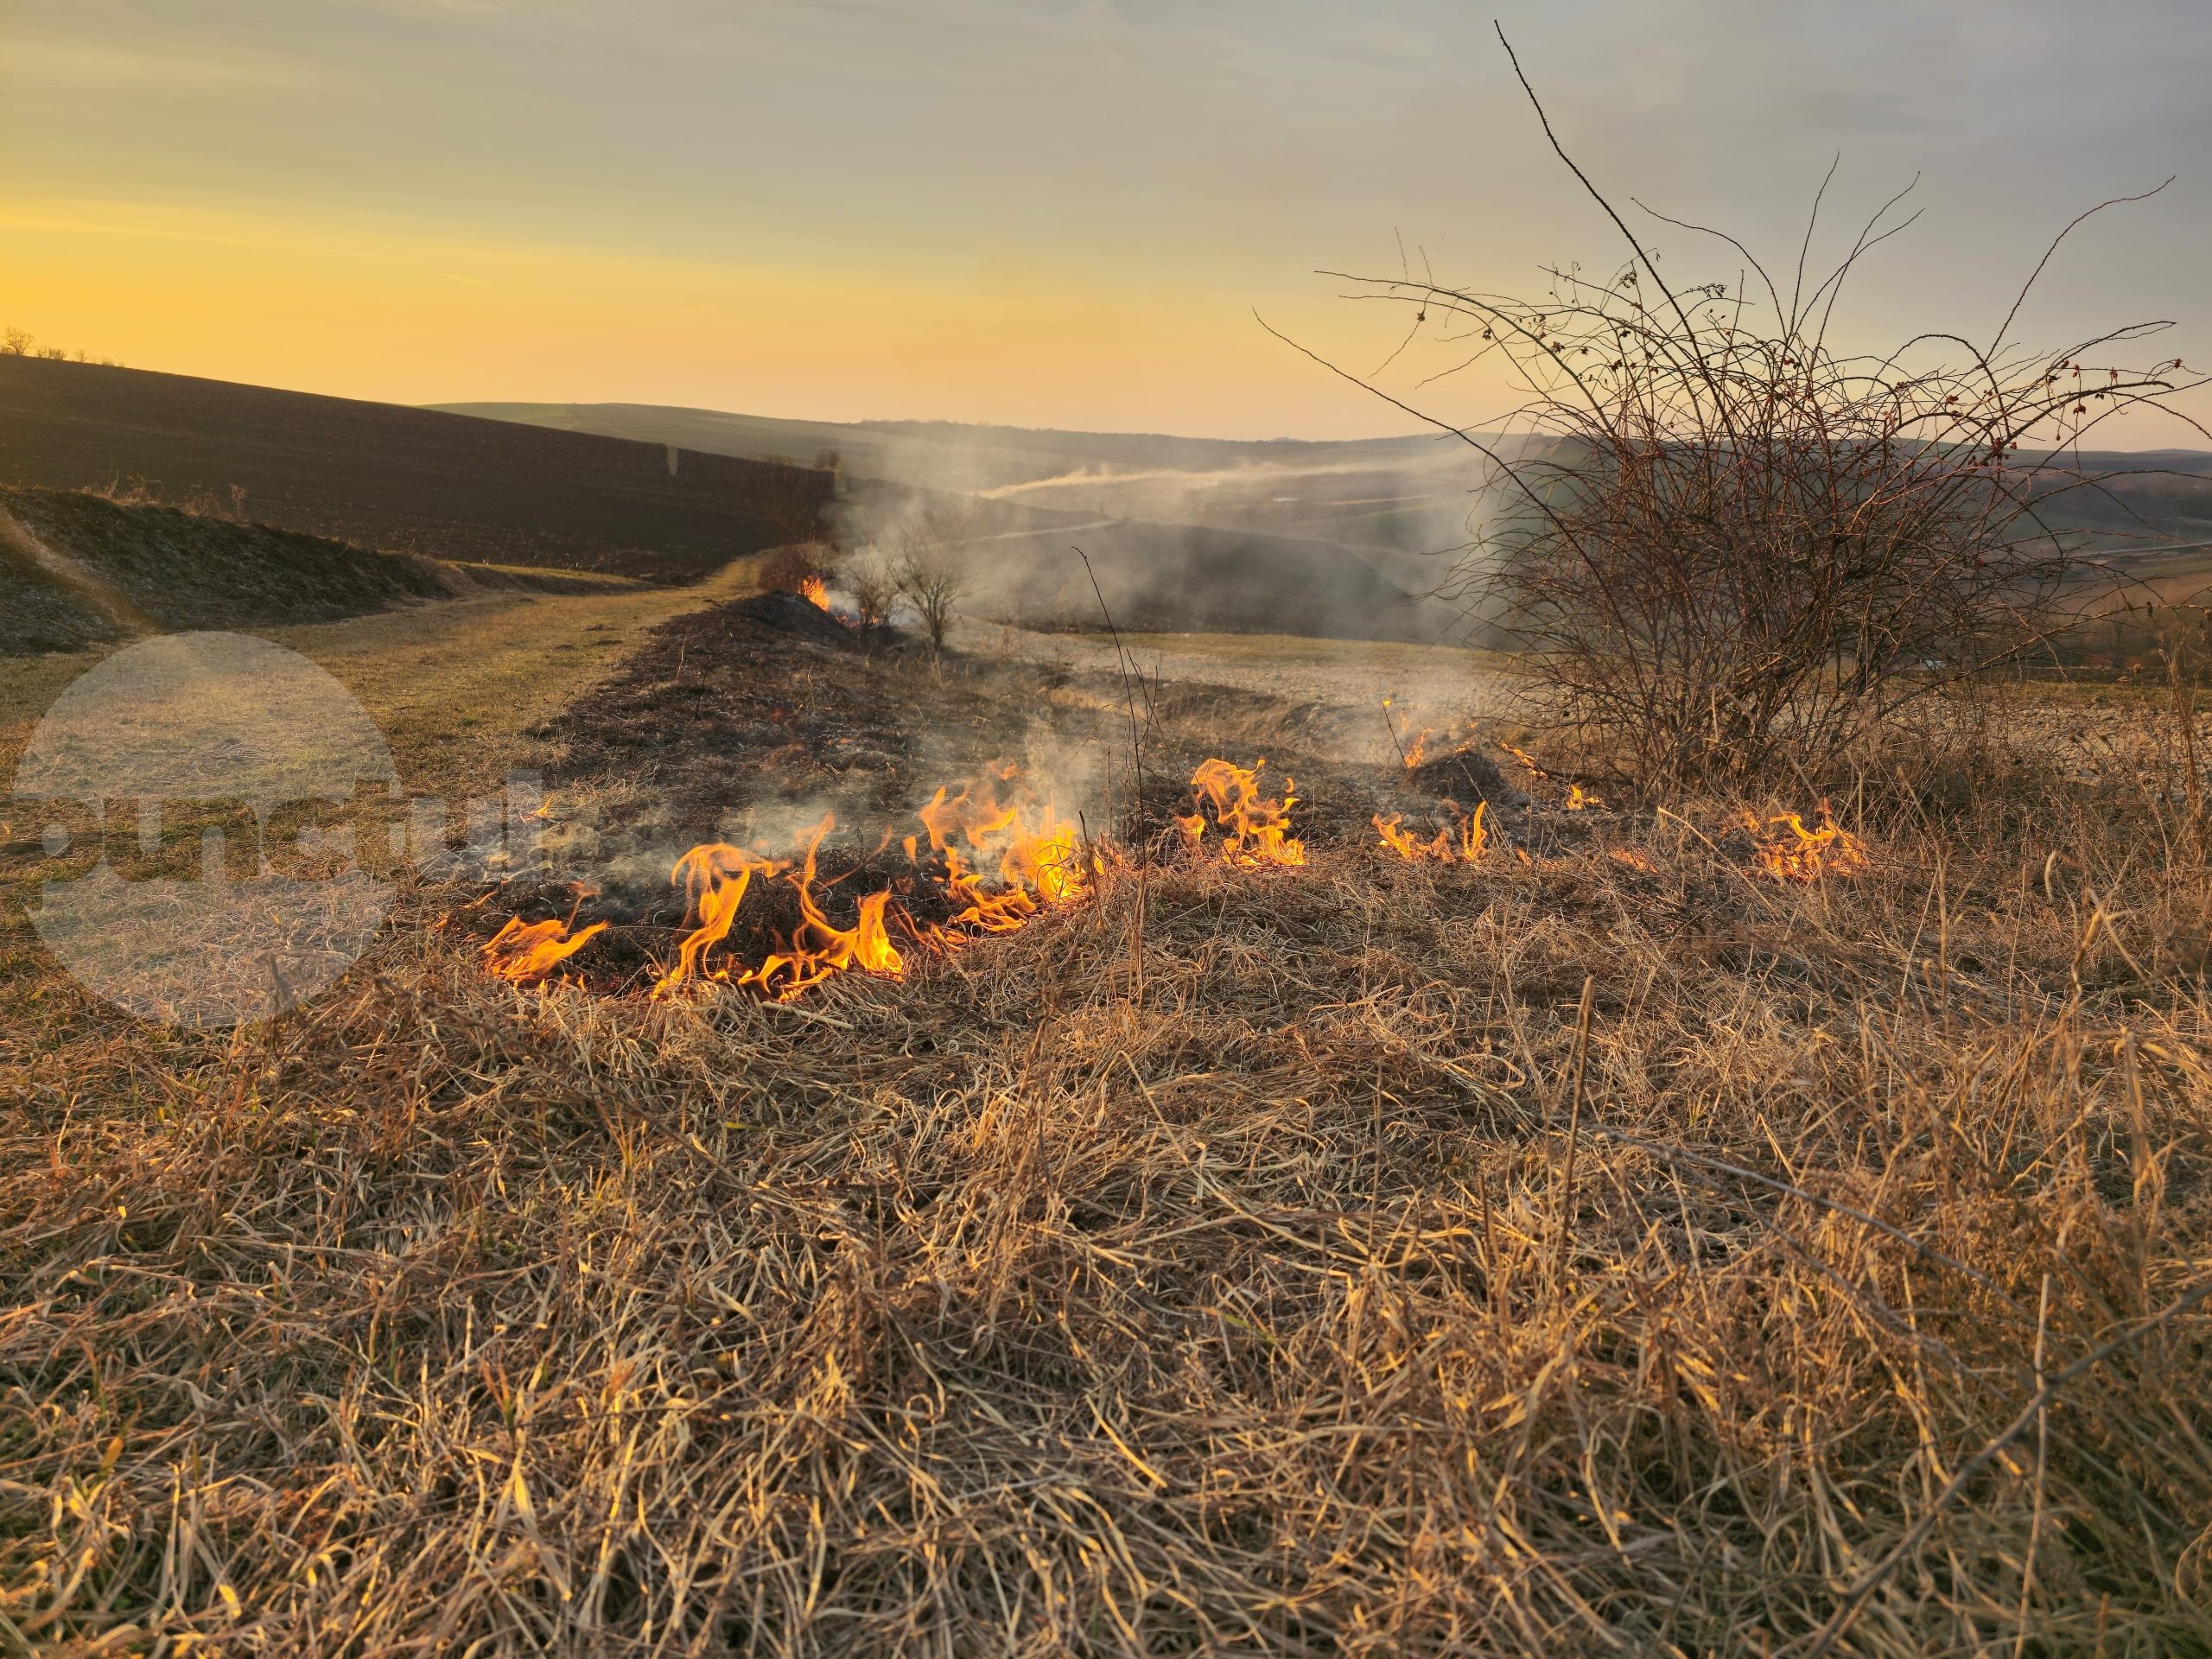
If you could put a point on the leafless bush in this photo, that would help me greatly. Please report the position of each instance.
(929, 575)
(874, 587)
(1733, 549)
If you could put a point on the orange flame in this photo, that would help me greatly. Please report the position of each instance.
(866, 944)
(1034, 866)
(814, 591)
(523, 951)
(1579, 797)
(1462, 844)
(1254, 830)
(716, 876)
(1002, 864)
(1411, 752)
(1787, 851)
(1528, 760)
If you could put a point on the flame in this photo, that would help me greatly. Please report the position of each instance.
(523, 951)
(1001, 865)
(716, 876)
(815, 591)
(1409, 752)
(818, 947)
(1528, 760)
(1462, 844)
(1787, 851)
(977, 839)
(1254, 830)
(1579, 797)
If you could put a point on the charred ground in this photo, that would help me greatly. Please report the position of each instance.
(751, 719)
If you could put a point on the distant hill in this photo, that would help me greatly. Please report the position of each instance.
(1401, 498)
(400, 479)
(951, 454)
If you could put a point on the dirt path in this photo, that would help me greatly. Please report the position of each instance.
(456, 687)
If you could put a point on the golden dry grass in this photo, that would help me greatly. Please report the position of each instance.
(454, 686)
(1290, 1262)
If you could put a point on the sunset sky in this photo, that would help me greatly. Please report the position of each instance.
(1039, 213)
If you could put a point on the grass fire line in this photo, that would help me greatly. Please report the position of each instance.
(1001, 864)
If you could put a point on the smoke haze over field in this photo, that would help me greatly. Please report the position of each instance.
(1344, 540)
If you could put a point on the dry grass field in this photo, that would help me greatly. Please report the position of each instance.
(1610, 1250)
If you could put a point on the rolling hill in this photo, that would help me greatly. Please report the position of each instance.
(403, 480)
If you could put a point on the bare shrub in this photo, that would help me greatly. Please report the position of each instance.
(17, 342)
(874, 587)
(929, 575)
(1733, 549)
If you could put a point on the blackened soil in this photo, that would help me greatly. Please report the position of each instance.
(767, 711)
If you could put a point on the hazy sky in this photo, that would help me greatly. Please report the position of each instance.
(1040, 213)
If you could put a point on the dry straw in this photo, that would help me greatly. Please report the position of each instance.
(1557, 1258)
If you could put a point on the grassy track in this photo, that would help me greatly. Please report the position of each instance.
(454, 687)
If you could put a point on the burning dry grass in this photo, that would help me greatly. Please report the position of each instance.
(524, 952)
(1251, 828)
(1369, 1257)
(1463, 843)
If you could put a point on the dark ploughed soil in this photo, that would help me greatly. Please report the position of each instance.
(408, 480)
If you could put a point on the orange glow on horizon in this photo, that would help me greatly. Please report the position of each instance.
(406, 316)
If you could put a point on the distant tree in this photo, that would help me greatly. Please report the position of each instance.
(17, 342)
(931, 575)
(54, 354)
